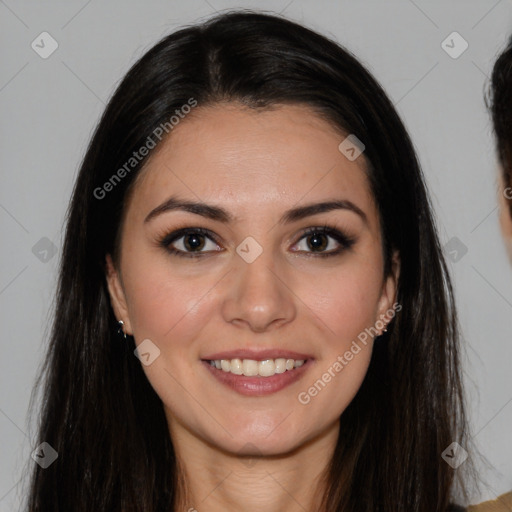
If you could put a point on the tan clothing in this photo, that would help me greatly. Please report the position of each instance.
(502, 504)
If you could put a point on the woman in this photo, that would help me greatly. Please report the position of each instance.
(253, 307)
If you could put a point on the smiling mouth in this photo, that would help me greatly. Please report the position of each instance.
(254, 368)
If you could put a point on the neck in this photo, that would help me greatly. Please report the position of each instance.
(215, 480)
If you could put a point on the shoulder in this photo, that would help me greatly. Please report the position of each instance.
(501, 504)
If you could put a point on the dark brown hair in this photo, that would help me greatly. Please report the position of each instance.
(100, 412)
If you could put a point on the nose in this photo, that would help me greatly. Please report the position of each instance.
(259, 296)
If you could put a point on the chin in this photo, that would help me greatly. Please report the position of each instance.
(263, 447)
(253, 440)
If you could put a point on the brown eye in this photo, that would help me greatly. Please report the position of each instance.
(193, 242)
(325, 241)
(318, 241)
(190, 242)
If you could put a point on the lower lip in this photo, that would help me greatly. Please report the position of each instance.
(258, 386)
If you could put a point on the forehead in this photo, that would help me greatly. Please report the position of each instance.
(264, 160)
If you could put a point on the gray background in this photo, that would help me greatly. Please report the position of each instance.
(48, 108)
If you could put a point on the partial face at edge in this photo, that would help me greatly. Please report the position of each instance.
(505, 218)
(256, 166)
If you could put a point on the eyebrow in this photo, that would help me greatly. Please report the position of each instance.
(221, 215)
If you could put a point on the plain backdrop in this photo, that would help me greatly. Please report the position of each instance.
(49, 107)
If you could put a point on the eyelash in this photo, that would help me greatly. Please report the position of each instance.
(345, 241)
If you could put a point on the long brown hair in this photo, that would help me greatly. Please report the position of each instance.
(99, 411)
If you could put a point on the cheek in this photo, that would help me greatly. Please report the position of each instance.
(168, 308)
(345, 300)
(347, 307)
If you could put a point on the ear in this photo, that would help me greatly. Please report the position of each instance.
(117, 295)
(386, 308)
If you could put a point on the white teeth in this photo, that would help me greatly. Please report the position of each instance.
(267, 368)
(281, 365)
(236, 367)
(251, 367)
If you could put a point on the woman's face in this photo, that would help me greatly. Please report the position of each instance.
(253, 285)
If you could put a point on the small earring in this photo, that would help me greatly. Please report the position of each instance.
(120, 330)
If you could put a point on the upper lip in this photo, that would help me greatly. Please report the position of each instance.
(258, 355)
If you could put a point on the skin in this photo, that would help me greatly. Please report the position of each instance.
(504, 198)
(233, 449)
